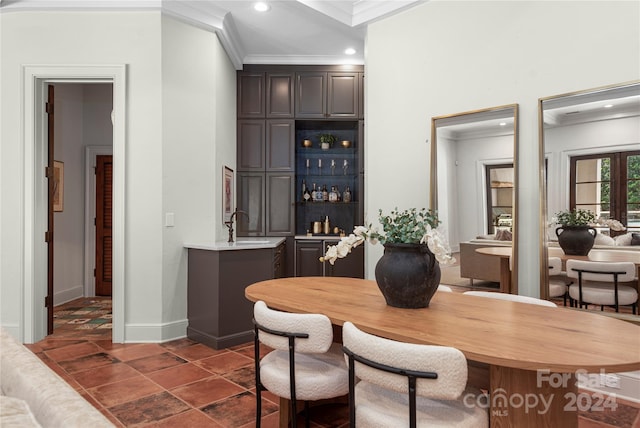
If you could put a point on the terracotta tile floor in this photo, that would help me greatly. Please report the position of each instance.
(186, 384)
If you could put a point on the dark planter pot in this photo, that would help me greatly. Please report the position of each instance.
(407, 275)
(576, 240)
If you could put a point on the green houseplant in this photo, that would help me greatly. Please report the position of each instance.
(326, 141)
(408, 273)
(576, 233)
(575, 217)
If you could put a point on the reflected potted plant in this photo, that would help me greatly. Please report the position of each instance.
(408, 274)
(577, 231)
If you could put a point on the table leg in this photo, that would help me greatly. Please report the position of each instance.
(527, 398)
(505, 276)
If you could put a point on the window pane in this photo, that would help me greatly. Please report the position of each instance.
(590, 170)
(633, 215)
(593, 193)
(633, 179)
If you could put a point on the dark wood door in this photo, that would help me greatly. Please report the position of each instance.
(48, 301)
(342, 95)
(311, 94)
(251, 145)
(351, 266)
(251, 95)
(280, 95)
(280, 148)
(104, 205)
(280, 208)
(251, 189)
(308, 253)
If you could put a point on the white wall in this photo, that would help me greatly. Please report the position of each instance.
(68, 246)
(82, 117)
(456, 56)
(461, 184)
(199, 136)
(164, 115)
(88, 38)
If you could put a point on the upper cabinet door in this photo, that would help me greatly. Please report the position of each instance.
(311, 94)
(342, 95)
(280, 149)
(321, 95)
(251, 95)
(251, 145)
(280, 95)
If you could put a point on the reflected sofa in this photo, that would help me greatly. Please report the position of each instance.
(476, 266)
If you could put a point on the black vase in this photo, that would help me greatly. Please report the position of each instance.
(576, 240)
(408, 275)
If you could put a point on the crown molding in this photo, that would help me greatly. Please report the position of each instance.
(300, 60)
(367, 11)
(209, 17)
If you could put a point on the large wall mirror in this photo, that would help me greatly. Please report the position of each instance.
(474, 186)
(590, 159)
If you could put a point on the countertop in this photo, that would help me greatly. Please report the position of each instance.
(319, 237)
(257, 243)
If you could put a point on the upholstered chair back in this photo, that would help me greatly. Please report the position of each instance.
(317, 326)
(512, 298)
(449, 363)
(627, 270)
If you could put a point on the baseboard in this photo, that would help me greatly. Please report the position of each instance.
(14, 330)
(68, 295)
(625, 385)
(155, 333)
(222, 341)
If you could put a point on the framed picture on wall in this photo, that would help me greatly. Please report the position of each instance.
(58, 186)
(227, 193)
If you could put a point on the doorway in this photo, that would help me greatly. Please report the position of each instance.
(81, 116)
(34, 263)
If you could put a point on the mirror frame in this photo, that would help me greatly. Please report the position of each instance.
(543, 239)
(433, 175)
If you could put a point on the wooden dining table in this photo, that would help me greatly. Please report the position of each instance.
(594, 255)
(526, 356)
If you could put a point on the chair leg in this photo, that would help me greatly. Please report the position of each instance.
(256, 359)
(306, 414)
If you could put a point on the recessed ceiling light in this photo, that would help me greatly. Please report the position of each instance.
(350, 51)
(608, 106)
(261, 6)
(503, 123)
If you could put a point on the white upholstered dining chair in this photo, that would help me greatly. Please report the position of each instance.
(601, 283)
(408, 385)
(511, 297)
(305, 364)
(558, 280)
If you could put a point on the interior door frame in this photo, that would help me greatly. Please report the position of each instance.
(91, 154)
(34, 258)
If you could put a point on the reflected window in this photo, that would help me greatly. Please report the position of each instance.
(499, 197)
(609, 185)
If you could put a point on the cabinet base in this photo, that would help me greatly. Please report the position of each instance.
(220, 342)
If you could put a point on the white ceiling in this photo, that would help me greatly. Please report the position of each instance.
(589, 106)
(291, 32)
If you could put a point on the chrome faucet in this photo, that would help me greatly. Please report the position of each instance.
(229, 223)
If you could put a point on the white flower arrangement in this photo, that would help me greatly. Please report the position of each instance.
(408, 227)
(611, 223)
(580, 217)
